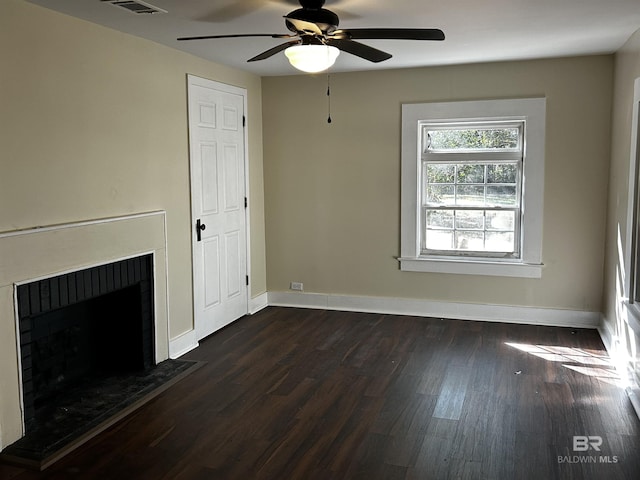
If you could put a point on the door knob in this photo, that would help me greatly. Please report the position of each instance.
(199, 228)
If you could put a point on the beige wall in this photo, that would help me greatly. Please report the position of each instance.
(332, 191)
(93, 124)
(617, 326)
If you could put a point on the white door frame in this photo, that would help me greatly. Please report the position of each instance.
(232, 89)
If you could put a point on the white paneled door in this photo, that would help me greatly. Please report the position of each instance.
(218, 204)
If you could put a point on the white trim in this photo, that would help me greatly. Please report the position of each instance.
(530, 110)
(166, 282)
(99, 221)
(633, 392)
(247, 193)
(617, 354)
(182, 344)
(629, 312)
(632, 198)
(632, 315)
(62, 258)
(471, 267)
(606, 335)
(431, 308)
(16, 318)
(187, 341)
(223, 87)
(193, 80)
(258, 303)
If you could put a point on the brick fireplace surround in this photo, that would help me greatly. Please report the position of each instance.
(36, 254)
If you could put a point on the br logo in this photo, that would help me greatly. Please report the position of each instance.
(582, 443)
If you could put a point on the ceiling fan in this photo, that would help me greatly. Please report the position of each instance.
(315, 33)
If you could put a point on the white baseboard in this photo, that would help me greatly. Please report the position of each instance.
(258, 303)
(606, 335)
(429, 308)
(182, 344)
(406, 306)
(611, 343)
(188, 341)
(633, 392)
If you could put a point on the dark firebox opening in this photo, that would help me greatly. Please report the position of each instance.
(100, 336)
(82, 326)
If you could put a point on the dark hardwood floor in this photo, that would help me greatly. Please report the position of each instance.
(310, 394)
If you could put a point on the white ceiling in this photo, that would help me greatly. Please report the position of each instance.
(476, 31)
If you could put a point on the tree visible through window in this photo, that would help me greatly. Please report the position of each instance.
(471, 189)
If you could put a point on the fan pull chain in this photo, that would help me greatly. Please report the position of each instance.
(329, 97)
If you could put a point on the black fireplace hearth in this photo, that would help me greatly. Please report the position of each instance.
(77, 414)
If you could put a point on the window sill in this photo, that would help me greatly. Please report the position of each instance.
(471, 267)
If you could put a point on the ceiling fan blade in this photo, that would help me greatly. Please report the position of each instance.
(239, 35)
(359, 49)
(273, 51)
(304, 26)
(390, 34)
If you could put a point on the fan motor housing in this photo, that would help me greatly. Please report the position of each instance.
(326, 20)
(313, 4)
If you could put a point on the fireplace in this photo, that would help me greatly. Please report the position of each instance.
(85, 267)
(84, 325)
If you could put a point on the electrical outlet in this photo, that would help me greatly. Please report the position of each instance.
(297, 286)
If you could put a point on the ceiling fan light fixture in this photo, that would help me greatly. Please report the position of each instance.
(312, 58)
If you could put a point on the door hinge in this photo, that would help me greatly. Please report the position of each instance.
(247, 278)
(246, 202)
(244, 121)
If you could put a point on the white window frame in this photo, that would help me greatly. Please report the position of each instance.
(631, 294)
(532, 112)
(629, 249)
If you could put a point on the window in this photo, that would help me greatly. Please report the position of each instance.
(633, 220)
(628, 273)
(472, 187)
(634, 290)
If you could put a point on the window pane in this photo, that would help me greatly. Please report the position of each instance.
(440, 194)
(440, 219)
(473, 139)
(470, 188)
(499, 242)
(501, 221)
(471, 195)
(459, 230)
(469, 240)
(502, 173)
(470, 219)
(503, 195)
(440, 173)
(439, 239)
(470, 173)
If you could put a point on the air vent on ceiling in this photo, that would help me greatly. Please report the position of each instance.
(135, 6)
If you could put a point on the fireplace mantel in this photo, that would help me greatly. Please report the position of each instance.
(34, 254)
